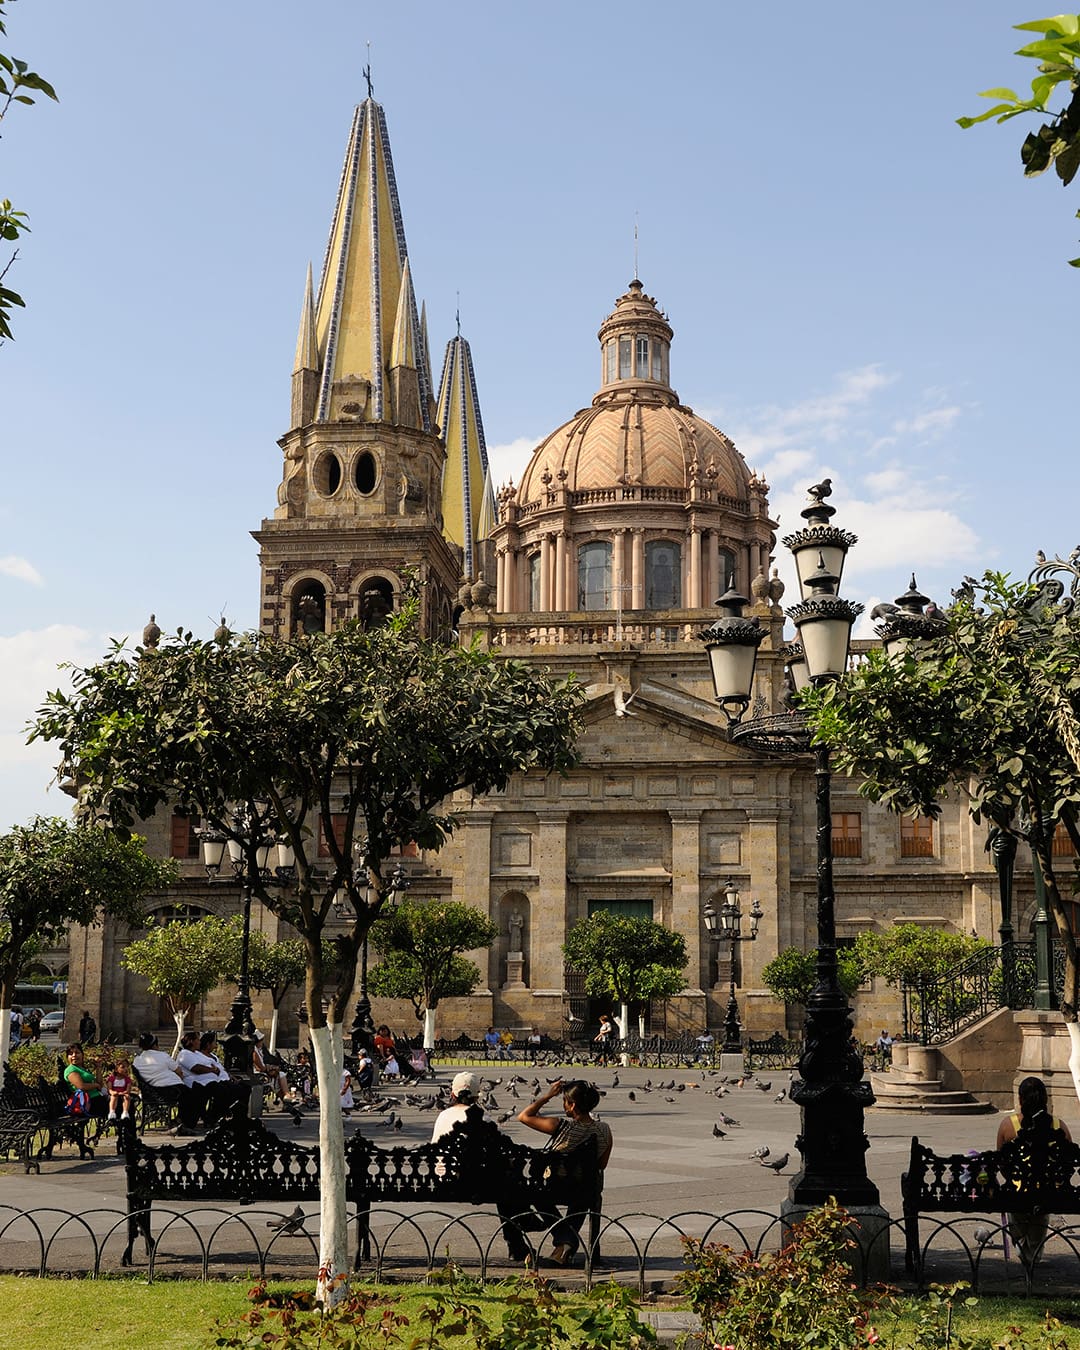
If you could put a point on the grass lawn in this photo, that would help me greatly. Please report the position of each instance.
(54, 1314)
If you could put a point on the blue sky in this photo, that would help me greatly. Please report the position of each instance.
(857, 287)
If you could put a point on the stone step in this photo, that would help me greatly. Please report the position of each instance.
(915, 1087)
(923, 1095)
(932, 1106)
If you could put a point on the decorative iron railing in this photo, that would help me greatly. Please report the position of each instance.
(935, 1010)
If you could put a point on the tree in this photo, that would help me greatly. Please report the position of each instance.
(16, 83)
(792, 974)
(420, 945)
(1057, 142)
(629, 960)
(908, 952)
(356, 738)
(184, 960)
(277, 967)
(989, 710)
(54, 874)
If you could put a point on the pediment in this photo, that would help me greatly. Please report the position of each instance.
(654, 725)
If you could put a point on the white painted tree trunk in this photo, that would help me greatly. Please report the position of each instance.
(624, 1021)
(1074, 1054)
(5, 1034)
(272, 1047)
(429, 1028)
(329, 1047)
(641, 1025)
(179, 1019)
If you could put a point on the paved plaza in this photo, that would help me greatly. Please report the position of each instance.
(666, 1159)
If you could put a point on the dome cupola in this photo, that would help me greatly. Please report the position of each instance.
(635, 343)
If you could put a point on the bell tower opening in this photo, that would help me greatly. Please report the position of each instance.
(309, 608)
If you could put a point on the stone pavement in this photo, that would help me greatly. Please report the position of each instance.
(666, 1160)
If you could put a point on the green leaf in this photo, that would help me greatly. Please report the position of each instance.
(1010, 94)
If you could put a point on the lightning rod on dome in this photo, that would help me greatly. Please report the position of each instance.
(367, 72)
(457, 312)
(635, 245)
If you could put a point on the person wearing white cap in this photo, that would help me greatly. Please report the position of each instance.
(464, 1091)
(464, 1107)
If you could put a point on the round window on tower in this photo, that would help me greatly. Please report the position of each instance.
(366, 473)
(327, 473)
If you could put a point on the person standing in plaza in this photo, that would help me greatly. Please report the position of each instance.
(87, 1028)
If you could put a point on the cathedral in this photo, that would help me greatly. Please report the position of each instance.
(604, 560)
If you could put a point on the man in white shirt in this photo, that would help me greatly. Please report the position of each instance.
(159, 1071)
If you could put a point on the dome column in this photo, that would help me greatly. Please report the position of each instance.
(501, 559)
(560, 573)
(695, 568)
(710, 587)
(622, 596)
(637, 569)
(545, 572)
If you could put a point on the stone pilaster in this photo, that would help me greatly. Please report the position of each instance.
(472, 881)
(686, 903)
(547, 929)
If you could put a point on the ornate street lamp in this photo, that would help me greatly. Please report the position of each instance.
(249, 847)
(362, 1031)
(829, 1090)
(725, 926)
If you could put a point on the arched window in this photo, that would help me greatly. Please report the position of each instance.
(663, 574)
(309, 608)
(594, 576)
(376, 602)
(534, 581)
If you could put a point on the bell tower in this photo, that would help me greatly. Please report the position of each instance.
(360, 498)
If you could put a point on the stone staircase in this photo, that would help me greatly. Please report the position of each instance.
(906, 1090)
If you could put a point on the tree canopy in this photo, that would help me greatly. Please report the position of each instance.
(629, 960)
(17, 85)
(792, 974)
(420, 945)
(54, 874)
(988, 711)
(184, 960)
(1057, 141)
(907, 951)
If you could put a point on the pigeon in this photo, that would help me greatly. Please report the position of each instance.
(388, 1123)
(399, 1124)
(764, 1087)
(777, 1164)
(490, 1102)
(504, 1116)
(718, 1133)
(669, 1099)
(760, 1153)
(681, 1087)
(513, 1090)
(728, 1120)
(985, 1236)
(288, 1223)
(615, 1081)
(822, 489)
(631, 1097)
(780, 1095)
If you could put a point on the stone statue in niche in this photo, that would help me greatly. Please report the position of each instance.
(515, 955)
(516, 925)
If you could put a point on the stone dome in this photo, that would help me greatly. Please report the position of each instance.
(636, 432)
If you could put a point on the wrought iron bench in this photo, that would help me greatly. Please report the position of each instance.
(774, 1052)
(156, 1106)
(241, 1161)
(19, 1130)
(47, 1103)
(1019, 1178)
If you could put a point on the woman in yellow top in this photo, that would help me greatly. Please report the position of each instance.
(571, 1129)
(1033, 1121)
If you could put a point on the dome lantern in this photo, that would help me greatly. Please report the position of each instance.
(635, 342)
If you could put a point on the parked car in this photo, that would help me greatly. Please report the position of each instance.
(53, 1022)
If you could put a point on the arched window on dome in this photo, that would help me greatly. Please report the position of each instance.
(594, 576)
(610, 358)
(728, 569)
(533, 566)
(663, 574)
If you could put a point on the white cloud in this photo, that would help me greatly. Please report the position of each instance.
(508, 461)
(930, 423)
(21, 569)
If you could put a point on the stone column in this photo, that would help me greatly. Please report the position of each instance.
(547, 927)
(500, 581)
(693, 600)
(686, 903)
(637, 569)
(560, 573)
(472, 884)
(545, 572)
(709, 591)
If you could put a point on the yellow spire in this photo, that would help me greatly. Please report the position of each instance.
(363, 281)
(489, 516)
(425, 350)
(305, 376)
(466, 467)
(403, 351)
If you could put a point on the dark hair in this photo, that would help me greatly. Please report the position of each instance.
(147, 1040)
(582, 1096)
(75, 1045)
(208, 1038)
(1034, 1115)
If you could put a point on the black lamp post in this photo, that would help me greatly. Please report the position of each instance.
(725, 926)
(362, 1031)
(249, 847)
(830, 1090)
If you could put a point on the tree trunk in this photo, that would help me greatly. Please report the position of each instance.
(5, 1034)
(179, 1018)
(624, 1020)
(328, 1045)
(429, 1028)
(272, 1046)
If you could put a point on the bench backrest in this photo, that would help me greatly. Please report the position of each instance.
(475, 1164)
(1023, 1175)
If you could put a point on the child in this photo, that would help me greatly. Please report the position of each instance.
(121, 1085)
(346, 1092)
